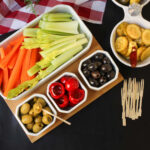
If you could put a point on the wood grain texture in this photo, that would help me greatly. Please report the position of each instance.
(92, 95)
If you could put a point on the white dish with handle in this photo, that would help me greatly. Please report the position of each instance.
(139, 20)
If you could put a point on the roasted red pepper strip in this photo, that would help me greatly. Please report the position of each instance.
(57, 90)
(76, 96)
(63, 101)
(133, 57)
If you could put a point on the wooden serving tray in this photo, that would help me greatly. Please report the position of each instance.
(92, 95)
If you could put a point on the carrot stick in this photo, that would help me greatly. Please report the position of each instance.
(33, 60)
(5, 71)
(15, 75)
(2, 52)
(11, 64)
(5, 78)
(26, 65)
(1, 77)
(8, 49)
(4, 62)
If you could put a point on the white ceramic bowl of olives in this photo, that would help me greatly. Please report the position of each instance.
(31, 117)
(98, 70)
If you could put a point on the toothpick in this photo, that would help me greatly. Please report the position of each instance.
(67, 122)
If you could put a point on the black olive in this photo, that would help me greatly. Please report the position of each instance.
(111, 75)
(93, 82)
(85, 63)
(98, 63)
(86, 72)
(108, 67)
(102, 73)
(103, 68)
(95, 74)
(102, 80)
(98, 56)
(106, 60)
(92, 67)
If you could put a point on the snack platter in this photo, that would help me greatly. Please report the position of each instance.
(92, 95)
(102, 76)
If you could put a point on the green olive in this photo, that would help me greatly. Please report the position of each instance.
(32, 113)
(37, 127)
(26, 119)
(37, 107)
(42, 101)
(46, 108)
(47, 119)
(38, 119)
(30, 126)
(25, 108)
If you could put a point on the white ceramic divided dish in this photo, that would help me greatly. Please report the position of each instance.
(77, 105)
(139, 20)
(49, 105)
(113, 64)
(82, 28)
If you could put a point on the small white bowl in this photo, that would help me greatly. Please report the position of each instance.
(139, 21)
(27, 100)
(113, 64)
(74, 107)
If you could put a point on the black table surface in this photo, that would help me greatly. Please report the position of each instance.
(99, 125)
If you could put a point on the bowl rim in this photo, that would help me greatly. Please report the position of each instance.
(117, 55)
(113, 63)
(124, 6)
(27, 100)
(77, 105)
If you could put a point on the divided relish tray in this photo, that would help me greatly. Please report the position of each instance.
(27, 107)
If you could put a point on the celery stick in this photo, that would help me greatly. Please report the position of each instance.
(59, 20)
(66, 56)
(57, 33)
(44, 35)
(30, 32)
(22, 87)
(78, 36)
(57, 47)
(51, 16)
(64, 27)
(30, 40)
(46, 72)
(30, 45)
(33, 70)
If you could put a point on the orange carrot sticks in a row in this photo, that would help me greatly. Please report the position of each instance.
(4, 62)
(5, 70)
(15, 75)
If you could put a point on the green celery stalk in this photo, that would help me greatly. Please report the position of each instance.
(78, 36)
(33, 70)
(30, 32)
(51, 16)
(64, 27)
(61, 59)
(56, 47)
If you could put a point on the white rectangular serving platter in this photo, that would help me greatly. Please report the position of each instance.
(82, 29)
